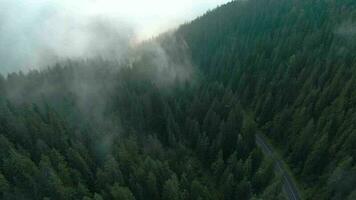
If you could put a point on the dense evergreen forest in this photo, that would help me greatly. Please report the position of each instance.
(177, 119)
(292, 64)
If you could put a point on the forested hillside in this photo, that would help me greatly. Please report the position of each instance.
(292, 64)
(177, 118)
(139, 129)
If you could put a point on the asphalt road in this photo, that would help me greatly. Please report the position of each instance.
(289, 186)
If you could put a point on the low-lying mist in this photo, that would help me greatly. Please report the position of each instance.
(103, 95)
(86, 62)
(44, 33)
(37, 34)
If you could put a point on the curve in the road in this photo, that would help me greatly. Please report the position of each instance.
(289, 186)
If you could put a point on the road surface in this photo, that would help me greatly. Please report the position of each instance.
(289, 186)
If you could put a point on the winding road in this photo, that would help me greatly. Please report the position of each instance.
(289, 186)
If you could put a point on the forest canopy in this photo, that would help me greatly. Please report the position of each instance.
(177, 119)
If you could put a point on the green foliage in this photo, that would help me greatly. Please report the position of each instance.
(291, 64)
(123, 193)
(99, 129)
(144, 142)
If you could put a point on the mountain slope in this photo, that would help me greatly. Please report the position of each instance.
(292, 64)
(145, 129)
(178, 118)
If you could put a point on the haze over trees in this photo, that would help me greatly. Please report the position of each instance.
(177, 118)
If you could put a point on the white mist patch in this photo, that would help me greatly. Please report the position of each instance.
(346, 29)
(37, 33)
(166, 60)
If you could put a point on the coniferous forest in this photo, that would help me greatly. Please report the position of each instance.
(177, 118)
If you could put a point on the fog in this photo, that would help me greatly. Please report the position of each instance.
(38, 33)
(346, 29)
